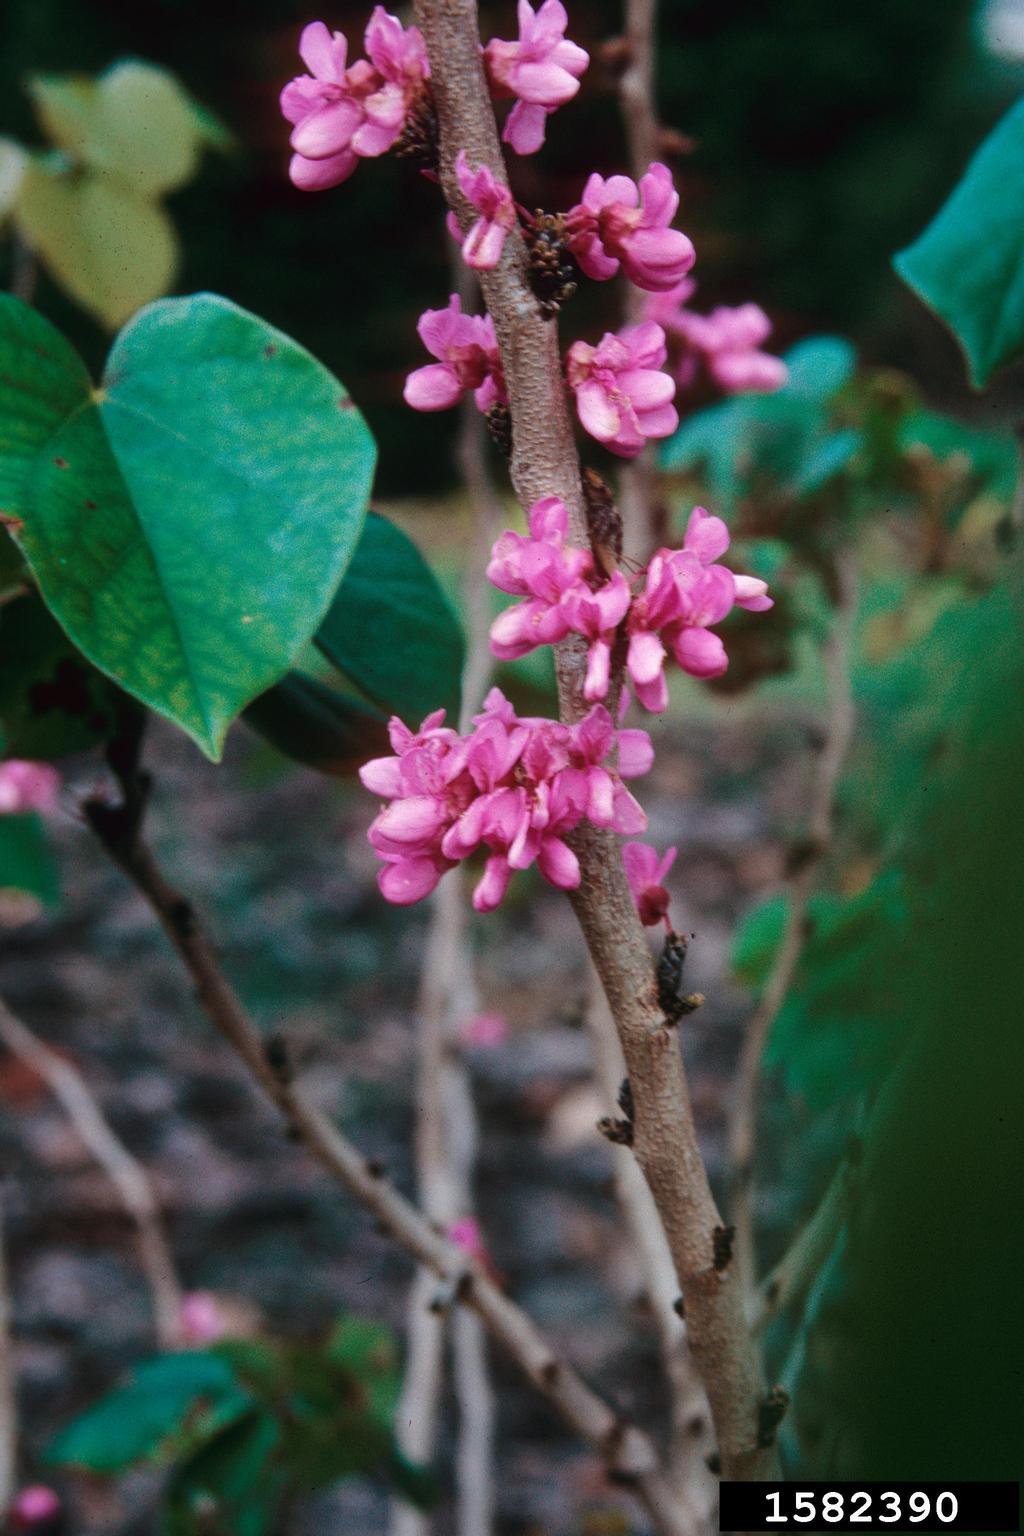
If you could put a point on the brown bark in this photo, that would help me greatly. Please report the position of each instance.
(544, 462)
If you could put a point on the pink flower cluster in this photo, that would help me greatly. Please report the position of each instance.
(542, 70)
(727, 341)
(683, 593)
(513, 787)
(27, 786)
(492, 200)
(621, 225)
(622, 396)
(342, 113)
(467, 352)
(647, 874)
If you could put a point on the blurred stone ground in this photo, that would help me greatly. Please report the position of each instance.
(278, 860)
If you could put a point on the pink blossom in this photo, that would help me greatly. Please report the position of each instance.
(542, 69)
(467, 352)
(597, 615)
(34, 1507)
(512, 787)
(727, 341)
(622, 396)
(467, 1235)
(620, 224)
(201, 1319)
(343, 113)
(486, 1030)
(27, 786)
(493, 202)
(647, 874)
(683, 595)
(544, 569)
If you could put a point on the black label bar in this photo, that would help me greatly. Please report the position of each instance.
(870, 1507)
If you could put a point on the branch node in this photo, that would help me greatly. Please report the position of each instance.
(604, 524)
(419, 141)
(551, 269)
(722, 1241)
(620, 1132)
(770, 1416)
(499, 425)
(278, 1058)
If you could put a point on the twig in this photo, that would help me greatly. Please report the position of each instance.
(638, 477)
(626, 1451)
(837, 659)
(446, 1115)
(8, 1385)
(127, 1175)
(636, 84)
(788, 1283)
(544, 462)
(691, 1439)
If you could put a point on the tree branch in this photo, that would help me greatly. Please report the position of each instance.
(837, 657)
(446, 1123)
(544, 462)
(127, 1175)
(691, 1439)
(626, 1451)
(8, 1385)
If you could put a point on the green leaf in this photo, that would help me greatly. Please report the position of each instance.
(163, 1397)
(819, 368)
(236, 1472)
(188, 523)
(968, 265)
(26, 861)
(391, 629)
(782, 438)
(316, 725)
(135, 123)
(110, 249)
(825, 460)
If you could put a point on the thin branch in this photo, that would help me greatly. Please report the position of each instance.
(626, 1451)
(446, 1137)
(127, 1175)
(638, 480)
(789, 1282)
(8, 1384)
(636, 84)
(544, 462)
(691, 1440)
(837, 658)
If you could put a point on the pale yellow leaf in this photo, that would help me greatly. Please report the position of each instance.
(111, 250)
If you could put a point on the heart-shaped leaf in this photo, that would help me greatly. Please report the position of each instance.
(391, 629)
(109, 249)
(968, 266)
(188, 523)
(135, 122)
